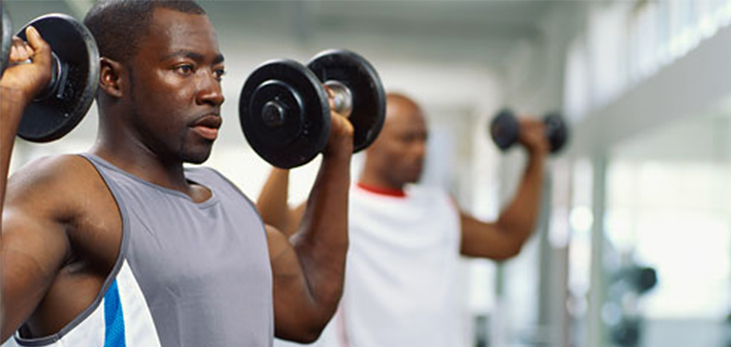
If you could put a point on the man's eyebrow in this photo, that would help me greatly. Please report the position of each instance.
(192, 55)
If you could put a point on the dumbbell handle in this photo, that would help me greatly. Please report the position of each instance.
(58, 78)
(55, 86)
(341, 96)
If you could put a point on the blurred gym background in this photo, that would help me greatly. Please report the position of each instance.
(635, 244)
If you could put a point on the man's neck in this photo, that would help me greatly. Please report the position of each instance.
(143, 163)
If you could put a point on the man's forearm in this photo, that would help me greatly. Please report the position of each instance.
(521, 215)
(322, 241)
(12, 104)
(272, 202)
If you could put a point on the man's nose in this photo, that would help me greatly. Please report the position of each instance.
(210, 91)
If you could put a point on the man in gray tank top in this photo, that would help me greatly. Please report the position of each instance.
(122, 246)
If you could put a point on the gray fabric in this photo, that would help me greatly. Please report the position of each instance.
(203, 268)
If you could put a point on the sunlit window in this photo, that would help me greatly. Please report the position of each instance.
(628, 42)
(674, 216)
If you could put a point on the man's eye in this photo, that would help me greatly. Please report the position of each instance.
(220, 73)
(185, 69)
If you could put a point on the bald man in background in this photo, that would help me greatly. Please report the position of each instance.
(406, 239)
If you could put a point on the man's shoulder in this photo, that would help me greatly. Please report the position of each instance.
(52, 170)
(52, 178)
(434, 196)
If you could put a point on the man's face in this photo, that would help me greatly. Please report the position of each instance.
(401, 146)
(175, 87)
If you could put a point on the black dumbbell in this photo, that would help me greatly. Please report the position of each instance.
(284, 106)
(505, 130)
(74, 81)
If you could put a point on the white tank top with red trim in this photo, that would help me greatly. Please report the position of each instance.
(401, 285)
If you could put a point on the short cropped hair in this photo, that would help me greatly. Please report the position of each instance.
(119, 25)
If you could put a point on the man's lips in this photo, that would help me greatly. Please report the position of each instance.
(207, 126)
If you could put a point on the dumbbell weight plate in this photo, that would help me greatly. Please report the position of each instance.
(359, 76)
(504, 129)
(6, 35)
(284, 113)
(556, 131)
(52, 117)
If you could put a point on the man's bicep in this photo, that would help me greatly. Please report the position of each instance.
(486, 240)
(296, 214)
(292, 301)
(32, 250)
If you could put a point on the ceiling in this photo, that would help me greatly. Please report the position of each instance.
(466, 31)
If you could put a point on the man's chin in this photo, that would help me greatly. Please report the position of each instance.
(199, 157)
(414, 179)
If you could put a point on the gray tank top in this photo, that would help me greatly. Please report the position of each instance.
(203, 268)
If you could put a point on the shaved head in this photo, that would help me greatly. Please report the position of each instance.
(397, 156)
(398, 104)
(119, 26)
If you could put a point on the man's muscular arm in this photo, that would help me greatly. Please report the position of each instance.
(272, 203)
(504, 238)
(309, 266)
(32, 246)
(19, 84)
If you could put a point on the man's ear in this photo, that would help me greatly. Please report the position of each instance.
(110, 77)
